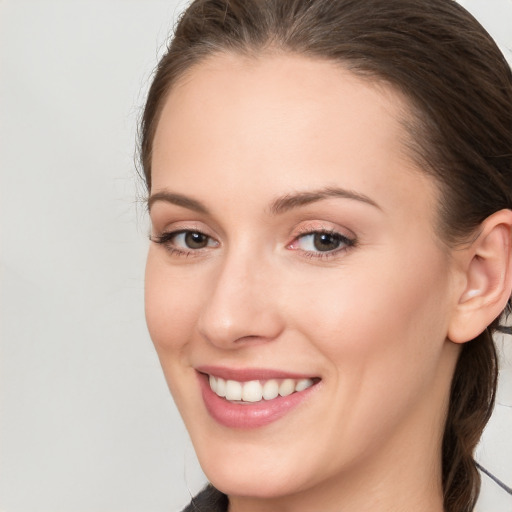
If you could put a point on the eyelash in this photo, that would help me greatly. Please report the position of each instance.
(166, 239)
(338, 237)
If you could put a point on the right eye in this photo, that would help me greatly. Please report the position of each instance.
(185, 241)
(191, 240)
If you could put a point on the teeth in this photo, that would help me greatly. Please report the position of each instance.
(233, 390)
(303, 384)
(287, 387)
(270, 389)
(252, 391)
(221, 387)
(255, 390)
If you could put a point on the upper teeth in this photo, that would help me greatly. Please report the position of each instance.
(255, 390)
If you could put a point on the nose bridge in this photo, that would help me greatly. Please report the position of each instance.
(242, 302)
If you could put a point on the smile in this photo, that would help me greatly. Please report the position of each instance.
(245, 399)
(255, 390)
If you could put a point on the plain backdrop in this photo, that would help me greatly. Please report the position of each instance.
(86, 421)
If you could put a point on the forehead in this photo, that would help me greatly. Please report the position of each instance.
(243, 122)
(261, 90)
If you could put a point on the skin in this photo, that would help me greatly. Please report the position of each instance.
(371, 320)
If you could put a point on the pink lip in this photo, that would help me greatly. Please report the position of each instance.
(247, 374)
(250, 415)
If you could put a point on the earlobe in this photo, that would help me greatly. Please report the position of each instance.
(488, 278)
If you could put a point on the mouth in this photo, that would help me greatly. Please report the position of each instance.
(244, 399)
(254, 391)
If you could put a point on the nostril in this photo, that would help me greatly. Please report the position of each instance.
(233, 329)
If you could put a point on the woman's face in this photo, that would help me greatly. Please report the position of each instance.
(295, 248)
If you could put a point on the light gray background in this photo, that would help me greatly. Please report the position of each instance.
(86, 421)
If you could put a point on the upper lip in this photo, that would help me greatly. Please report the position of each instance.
(247, 374)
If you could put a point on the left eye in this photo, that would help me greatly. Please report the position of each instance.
(320, 242)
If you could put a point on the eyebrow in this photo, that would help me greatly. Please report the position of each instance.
(296, 200)
(178, 200)
(280, 205)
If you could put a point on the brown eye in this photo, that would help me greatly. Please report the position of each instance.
(185, 242)
(195, 240)
(322, 243)
(326, 241)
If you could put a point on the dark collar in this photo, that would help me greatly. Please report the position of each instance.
(208, 500)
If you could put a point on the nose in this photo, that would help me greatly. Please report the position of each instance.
(242, 304)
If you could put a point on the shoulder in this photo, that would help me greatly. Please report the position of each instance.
(208, 500)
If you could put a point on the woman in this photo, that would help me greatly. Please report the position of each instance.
(330, 192)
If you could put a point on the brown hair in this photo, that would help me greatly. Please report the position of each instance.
(459, 87)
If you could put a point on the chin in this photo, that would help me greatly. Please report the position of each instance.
(253, 468)
(256, 482)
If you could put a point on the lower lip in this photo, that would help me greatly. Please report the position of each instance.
(249, 415)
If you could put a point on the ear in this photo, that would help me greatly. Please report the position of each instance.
(487, 283)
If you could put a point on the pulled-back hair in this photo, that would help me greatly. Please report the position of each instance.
(459, 89)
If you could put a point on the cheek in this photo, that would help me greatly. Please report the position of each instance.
(381, 336)
(381, 325)
(170, 305)
(171, 312)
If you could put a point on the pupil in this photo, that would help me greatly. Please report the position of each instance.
(196, 240)
(325, 242)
